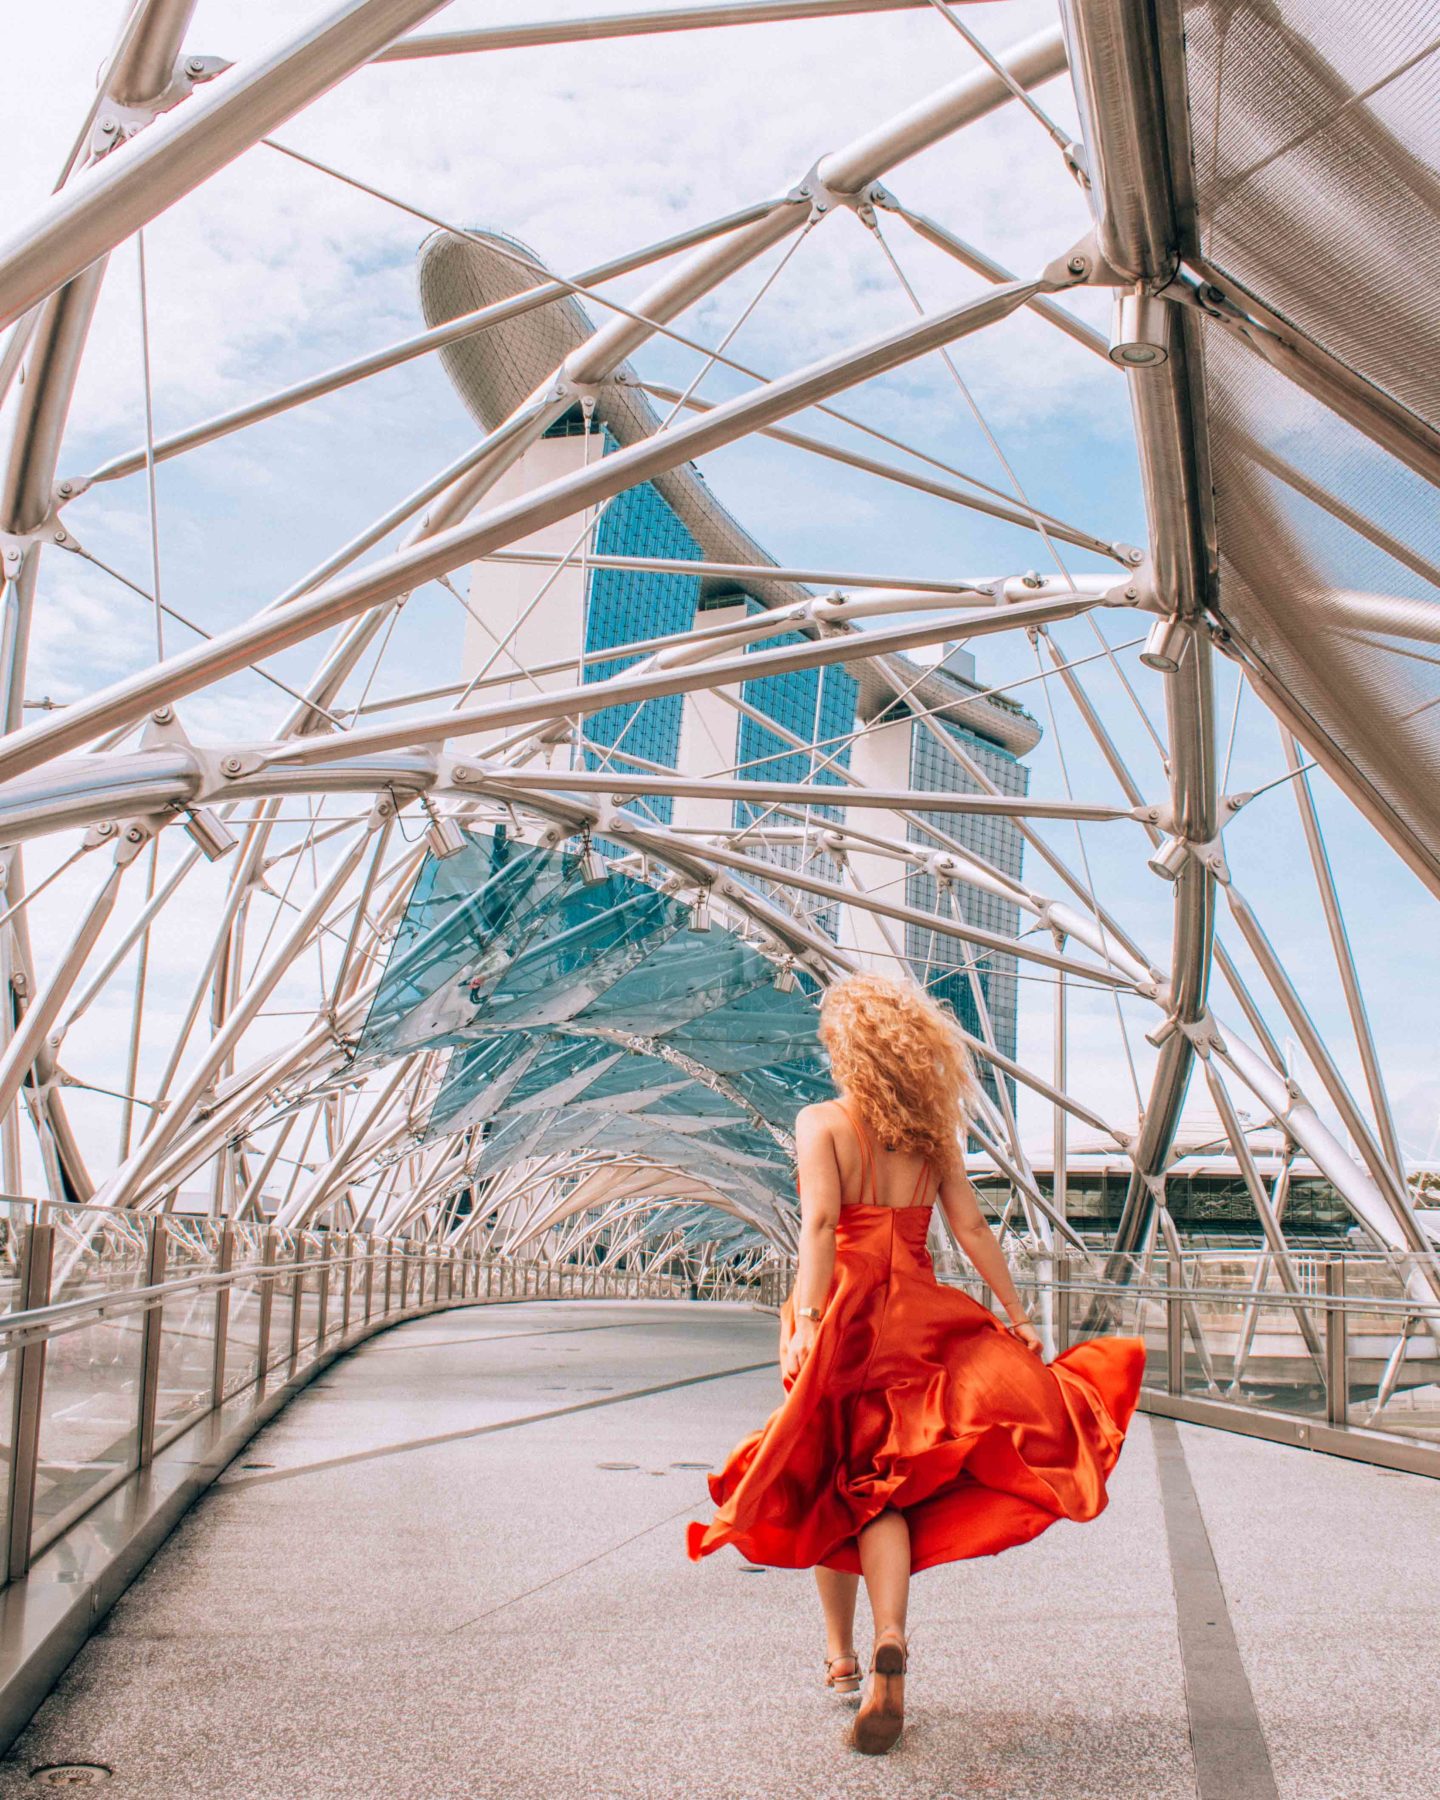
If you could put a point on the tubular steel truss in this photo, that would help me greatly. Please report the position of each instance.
(302, 846)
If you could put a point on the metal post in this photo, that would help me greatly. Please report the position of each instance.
(369, 1275)
(349, 1254)
(1174, 1328)
(404, 1274)
(1337, 1370)
(224, 1262)
(389, 1275)
(322, 1316)
(37, 1259)
(267, 1307)
(1064, 1268)
(297, 1300)
(150, 1341)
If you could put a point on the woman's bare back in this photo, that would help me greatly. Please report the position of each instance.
(883, 1178)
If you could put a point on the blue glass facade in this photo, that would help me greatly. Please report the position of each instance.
(817, 706)
(626, 605)
(939, 959)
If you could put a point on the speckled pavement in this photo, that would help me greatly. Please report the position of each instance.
(509, 1611)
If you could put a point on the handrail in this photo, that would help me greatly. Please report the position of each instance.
(332, 1289)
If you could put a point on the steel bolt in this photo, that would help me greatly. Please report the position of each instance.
(105, 829)
(230, 765)
(59, 536)
(109, 125)
(1077, 265)
(1032, 579)
(135, 835)
(195, 66)
(163, 715)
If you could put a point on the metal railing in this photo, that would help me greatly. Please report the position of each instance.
(122, 1332)
(1346, 1360)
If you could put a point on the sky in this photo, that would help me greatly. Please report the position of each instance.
(274, 270)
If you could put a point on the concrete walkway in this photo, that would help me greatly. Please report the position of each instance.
(454, 1568)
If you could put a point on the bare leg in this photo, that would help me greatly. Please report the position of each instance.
(885, 1562)
(885, 1559)
(837, 1597)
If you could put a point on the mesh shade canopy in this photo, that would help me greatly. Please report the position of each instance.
(1316, 191)
(1316, 185)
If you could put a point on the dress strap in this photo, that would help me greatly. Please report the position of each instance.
(922, 1183)
(920, 1194)
(867, 1156)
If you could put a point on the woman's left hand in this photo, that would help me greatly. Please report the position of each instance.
(801, 1342)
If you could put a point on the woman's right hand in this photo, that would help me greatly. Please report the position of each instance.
(1025, 1333)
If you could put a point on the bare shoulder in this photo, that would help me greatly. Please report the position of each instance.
(816, 1122)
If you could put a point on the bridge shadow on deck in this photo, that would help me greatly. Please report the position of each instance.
(454, 1567)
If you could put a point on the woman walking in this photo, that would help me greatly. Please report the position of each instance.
(916, 1428)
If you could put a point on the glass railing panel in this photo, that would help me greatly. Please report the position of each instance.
(313, 1244)
(7, 1447)
(339, 1249)
(1392, 1369)
(242, 1332)
(187, 1325)
(282, 1301)
(15, 1217)
(89, 1421)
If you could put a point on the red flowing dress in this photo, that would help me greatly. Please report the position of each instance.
(914, 1396)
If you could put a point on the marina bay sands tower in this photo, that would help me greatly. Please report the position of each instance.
(567, 594)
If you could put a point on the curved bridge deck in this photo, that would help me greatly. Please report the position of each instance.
(454, 1568)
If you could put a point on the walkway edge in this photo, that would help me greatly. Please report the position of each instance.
(1232, 1760)
(47, 1617)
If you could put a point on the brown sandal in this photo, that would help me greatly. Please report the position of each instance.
(843, 1687)
(881, 1717)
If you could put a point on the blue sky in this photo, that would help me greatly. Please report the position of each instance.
(274, 271)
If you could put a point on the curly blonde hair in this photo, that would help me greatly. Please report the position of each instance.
(900, 1057)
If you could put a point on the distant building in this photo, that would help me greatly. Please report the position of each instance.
(584, 609)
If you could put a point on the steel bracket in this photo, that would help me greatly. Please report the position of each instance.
(1082, 265)
(116, 122)
(15, 545)
(1129, 591)
(823, 200)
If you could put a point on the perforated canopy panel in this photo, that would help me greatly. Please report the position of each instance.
(1316, 192)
